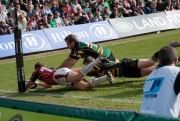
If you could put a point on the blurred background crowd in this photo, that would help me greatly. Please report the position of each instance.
(40, 14)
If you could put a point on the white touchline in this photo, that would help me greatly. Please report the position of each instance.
(70, 96)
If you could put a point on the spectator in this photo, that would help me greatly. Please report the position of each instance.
(29, 2)
(168, 5)
(3, 7)
(128, 9)
(43, 23)
(55, 8)
(10, 8)
(121, 10)
(177, 5)
(101, 6)
(114, 3)
(32, 23)
(114, 13)
(30, 12)
(75, 5)
(22, 5)
(5, 2)
(106, 12)
(98, 16)
(66, 8)
(3, 15)
(11, 25)
(37, 2)
(37, 10)
(45, 10)
(104, 17)
(94, 7)
(87, 8)
(136, 9)
(22, 23)
(60, 2)
(58, 20)
(48, 3)
(151, 9)
(106, 4)
(91, 17)
(67, 20)
(160, 6)
(51, 21)
(4, 29)
(19, 12)
(80, 17)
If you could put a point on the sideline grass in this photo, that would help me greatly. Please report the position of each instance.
(126, 94)
(7, 114)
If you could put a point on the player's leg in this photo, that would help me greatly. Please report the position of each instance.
(76, 77)
(81, 85)
(147, 71)
(88, 67)
(93, 82)
(145, 63)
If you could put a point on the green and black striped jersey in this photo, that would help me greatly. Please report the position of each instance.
(83, 50)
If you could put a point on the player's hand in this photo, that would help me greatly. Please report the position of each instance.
(33, 86)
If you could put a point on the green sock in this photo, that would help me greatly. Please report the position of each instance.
(155, 56)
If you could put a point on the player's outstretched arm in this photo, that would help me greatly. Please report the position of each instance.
(42, 84)
(29, 84)
(68, 63)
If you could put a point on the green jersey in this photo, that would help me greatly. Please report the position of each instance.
(53, 23)
(83, 50)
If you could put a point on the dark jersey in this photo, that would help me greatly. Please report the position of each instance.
(45, 75)
(83, 50)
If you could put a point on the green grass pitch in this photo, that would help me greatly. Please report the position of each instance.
(126, 94)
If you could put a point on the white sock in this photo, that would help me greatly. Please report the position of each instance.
(96, 81)
(88, 67)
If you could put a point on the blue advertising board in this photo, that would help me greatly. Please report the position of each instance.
(91, 32)
(7, 46)
(34, 41)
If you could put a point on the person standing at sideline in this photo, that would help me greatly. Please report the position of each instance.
(161, 89)
(83, 50)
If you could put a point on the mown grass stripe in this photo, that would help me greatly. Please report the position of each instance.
(70, 96)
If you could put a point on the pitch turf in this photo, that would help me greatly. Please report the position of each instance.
(126, 94)
(7, 114)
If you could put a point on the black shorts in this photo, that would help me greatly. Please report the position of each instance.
(130, 68)
(111, 57)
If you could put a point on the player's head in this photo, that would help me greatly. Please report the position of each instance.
(88, 60)
(71, 40)
(38, 65)
(167, 56)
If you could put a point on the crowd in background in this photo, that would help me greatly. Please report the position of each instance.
(39, 14)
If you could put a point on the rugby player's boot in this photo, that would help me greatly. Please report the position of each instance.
(110, 78)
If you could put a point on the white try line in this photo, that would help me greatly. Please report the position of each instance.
(118, 42)
(13, 93)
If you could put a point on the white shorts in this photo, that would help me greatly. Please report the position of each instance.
(60, 76)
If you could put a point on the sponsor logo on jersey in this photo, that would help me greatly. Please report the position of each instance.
(124, 26)
(33, 42)
(101, 31)
(152, 86)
